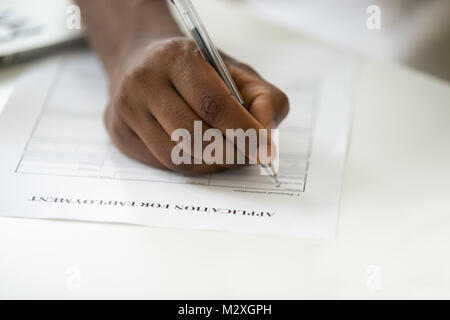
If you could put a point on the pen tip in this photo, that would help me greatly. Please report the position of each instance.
(275, 176)
(278, 183)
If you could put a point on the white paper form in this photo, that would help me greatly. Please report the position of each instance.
(58, 162)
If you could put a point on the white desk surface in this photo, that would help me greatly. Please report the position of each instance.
(394, 218)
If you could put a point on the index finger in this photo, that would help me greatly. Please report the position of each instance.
(206, 93)
(268, 104)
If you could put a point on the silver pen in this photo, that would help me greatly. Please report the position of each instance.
(209, 51)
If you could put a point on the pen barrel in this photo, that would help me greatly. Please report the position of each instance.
(195, 26)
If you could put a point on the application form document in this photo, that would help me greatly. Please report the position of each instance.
(58, 162)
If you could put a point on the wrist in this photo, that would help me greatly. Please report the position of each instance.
(118, 28)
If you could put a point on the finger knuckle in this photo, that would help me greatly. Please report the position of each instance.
(247, 68)
(212, 108)
(116, 131)
(281, 100)
(173, 49)
(110, 124)
(120, 102)
(167, 48)
(124, 107)
(139, 77)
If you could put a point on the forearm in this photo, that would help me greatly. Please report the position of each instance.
(117, 28)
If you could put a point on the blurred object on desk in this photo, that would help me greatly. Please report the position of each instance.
(29, 28)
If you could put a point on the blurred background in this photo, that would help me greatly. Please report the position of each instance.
(412, 32)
